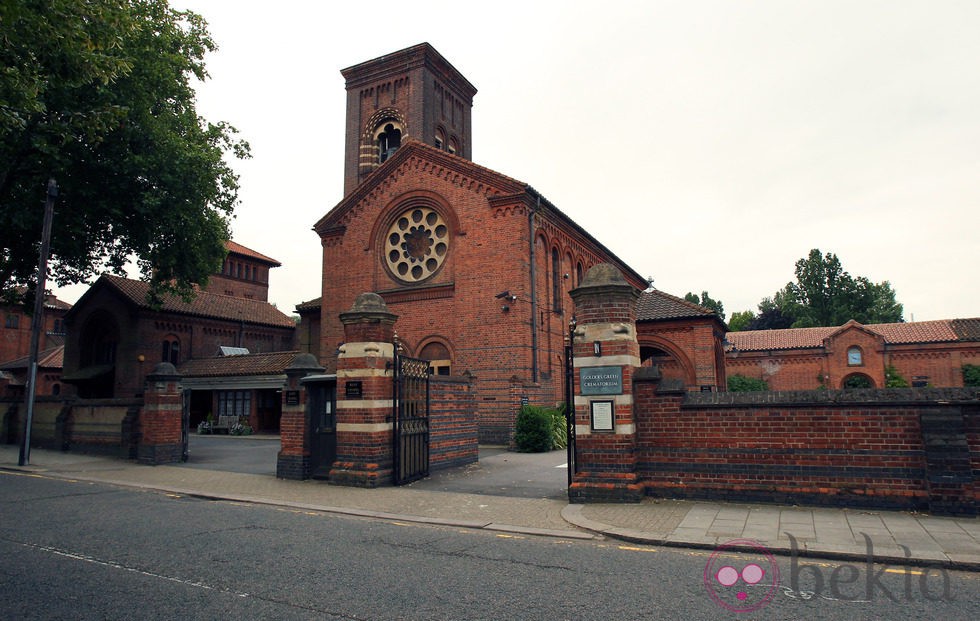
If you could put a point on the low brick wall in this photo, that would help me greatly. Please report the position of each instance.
(453, 429)
(893, 448)
(101, 426)
(104, 426)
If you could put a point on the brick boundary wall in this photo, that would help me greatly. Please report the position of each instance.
(888, 448)
(90, 426)
(453, 428)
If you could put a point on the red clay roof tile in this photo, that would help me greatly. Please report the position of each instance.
(938, 331)
(204, 304)
(236, 248)
(272, 363)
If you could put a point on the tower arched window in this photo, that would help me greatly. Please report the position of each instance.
(171, 350)
(388, 142)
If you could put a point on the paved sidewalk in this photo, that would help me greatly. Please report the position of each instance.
(818, 532)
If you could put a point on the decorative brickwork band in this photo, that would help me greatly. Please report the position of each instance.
(606, 355)
(161, 440)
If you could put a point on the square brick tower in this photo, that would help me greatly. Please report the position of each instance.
(414, 92)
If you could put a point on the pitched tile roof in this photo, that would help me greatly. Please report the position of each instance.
(967, 329)
(313, 304)
(916, 332)
(272, 363)
(790, 338)
(654, 305)
(234, 247)
(53, 358)
(204, 304)
(50, 299)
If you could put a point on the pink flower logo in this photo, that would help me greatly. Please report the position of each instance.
(738, 586)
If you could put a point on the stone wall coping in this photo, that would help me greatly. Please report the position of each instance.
(870, 396)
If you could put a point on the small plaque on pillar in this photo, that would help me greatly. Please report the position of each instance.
(354, 389)
(601, 380)
(602, 416)
(292, 397)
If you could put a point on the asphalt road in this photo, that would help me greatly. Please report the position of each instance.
(76, 550)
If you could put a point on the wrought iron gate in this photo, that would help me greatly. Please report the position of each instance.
(411, 419)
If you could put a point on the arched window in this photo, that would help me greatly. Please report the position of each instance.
(388, 142)
(440, 141)
(171, 350)
(556, 292)
(439, 358)
(453, 145)
(578, 274)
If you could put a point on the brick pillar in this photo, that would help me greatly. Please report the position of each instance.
(606, 356)
(160, 422)
(293, 461)
(949, 475)
(364, 409)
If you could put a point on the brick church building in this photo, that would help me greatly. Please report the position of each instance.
(476, 264)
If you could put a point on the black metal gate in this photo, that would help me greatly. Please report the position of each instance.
(411, 419)
(185, 424)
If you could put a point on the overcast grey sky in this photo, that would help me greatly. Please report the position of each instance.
(708, 144)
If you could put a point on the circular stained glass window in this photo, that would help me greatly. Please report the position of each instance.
(416, 245)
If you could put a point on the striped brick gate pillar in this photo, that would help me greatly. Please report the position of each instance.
(293, 461)
(364, 395)
(160, 421)
(606, 356)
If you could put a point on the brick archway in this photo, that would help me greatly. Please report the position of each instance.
(683, 367)
(857, 380)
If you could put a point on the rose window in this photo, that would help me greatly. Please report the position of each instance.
(417, 244)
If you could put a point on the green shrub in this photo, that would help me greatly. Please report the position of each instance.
(741, 383)
(534, 430)
(971, 375)
(559, 434)
(857, 381)
(893, 378)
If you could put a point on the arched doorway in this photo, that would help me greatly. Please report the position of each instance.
(96, 373)
(671, 365)
(856, 381)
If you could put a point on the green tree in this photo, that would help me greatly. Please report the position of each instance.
(971, 375)
(771, 315)
(824, 294)
(706, 301)
(98, 95)
(740, 320)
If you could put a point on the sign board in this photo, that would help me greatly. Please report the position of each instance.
(601, 380)
(292, 397)
(354, 389)
(602, 416)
